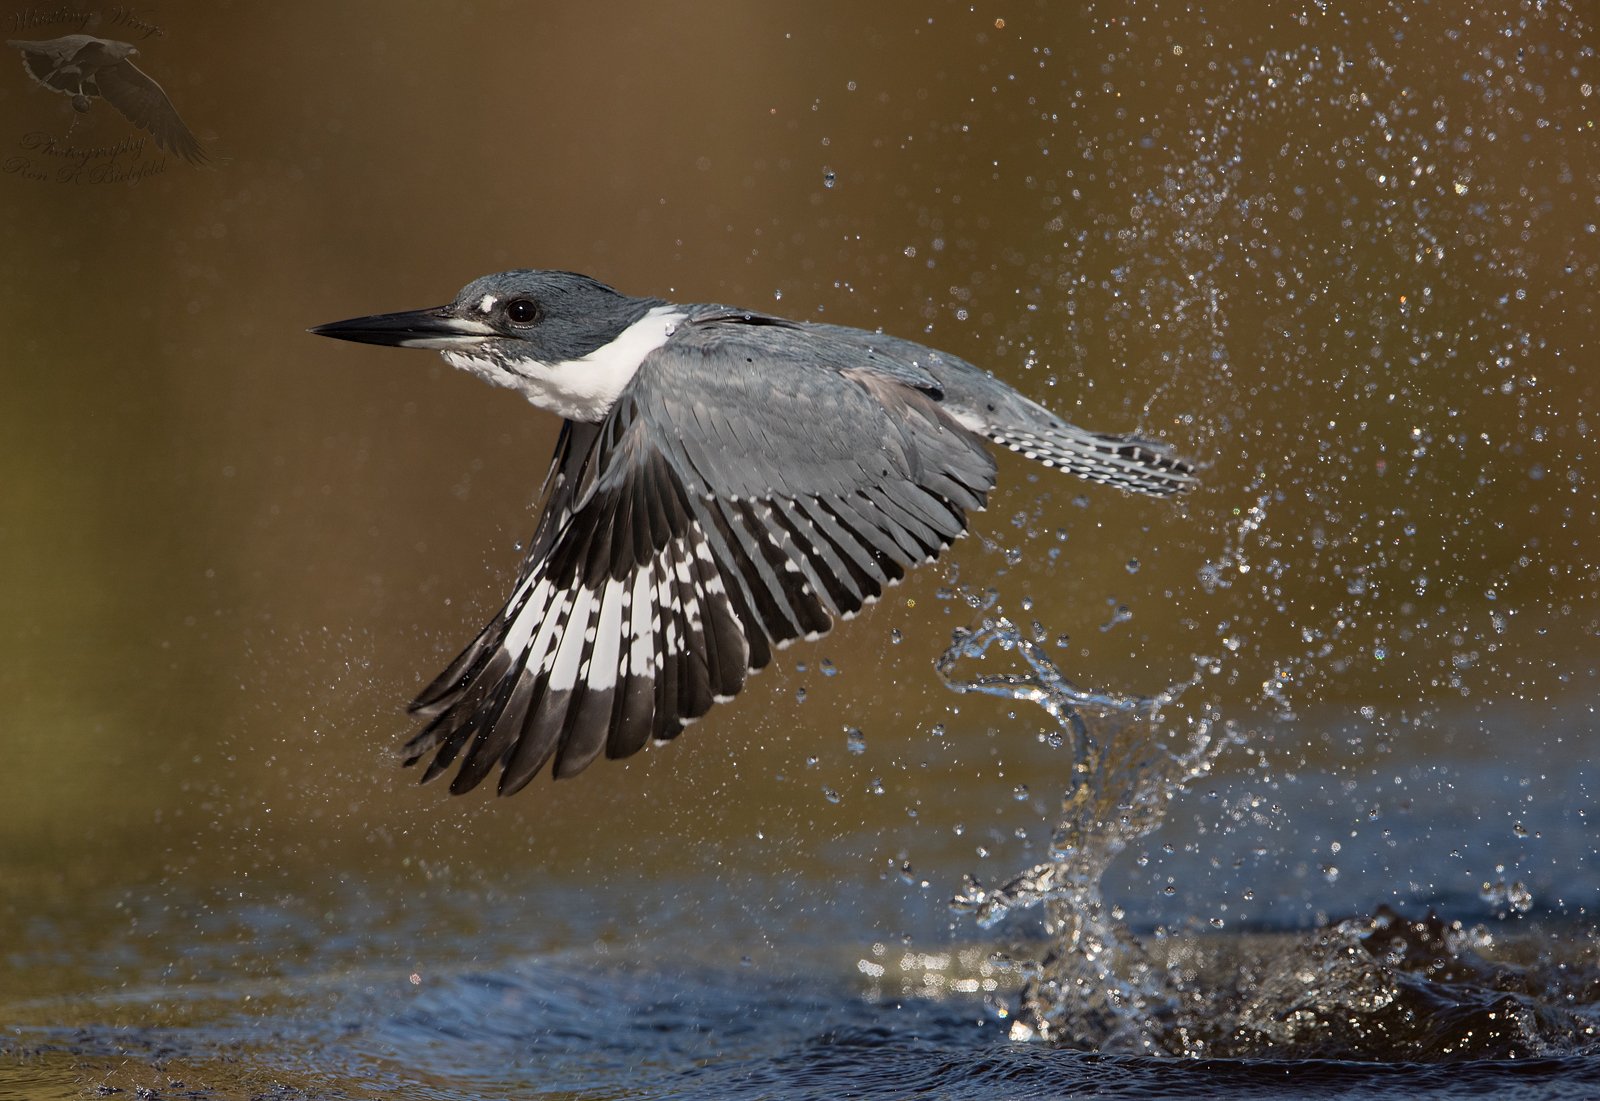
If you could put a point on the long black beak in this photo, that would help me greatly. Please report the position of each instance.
(436, 328)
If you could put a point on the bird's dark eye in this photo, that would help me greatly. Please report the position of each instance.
(522, 311)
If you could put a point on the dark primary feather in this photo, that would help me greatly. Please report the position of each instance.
(555, 502)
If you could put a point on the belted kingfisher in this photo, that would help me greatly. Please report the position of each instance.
(724, 482)
(83, 66)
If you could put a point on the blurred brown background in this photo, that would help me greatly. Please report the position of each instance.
(1344, 259)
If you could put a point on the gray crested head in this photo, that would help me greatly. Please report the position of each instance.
(567, 342)
(558, 315)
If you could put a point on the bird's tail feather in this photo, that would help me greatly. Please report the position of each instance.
(1131, 463)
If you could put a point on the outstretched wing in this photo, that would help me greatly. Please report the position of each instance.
(126, 87)
(736, 498)
(50, 61)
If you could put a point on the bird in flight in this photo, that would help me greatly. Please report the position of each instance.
(724, 482)
(84, 67)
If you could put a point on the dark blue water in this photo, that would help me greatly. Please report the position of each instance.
(778, 985)
(574, 1025)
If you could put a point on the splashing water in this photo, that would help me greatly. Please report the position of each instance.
(1375, 988)
(1095, 980)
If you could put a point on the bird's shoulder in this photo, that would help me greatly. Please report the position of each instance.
(768, 343)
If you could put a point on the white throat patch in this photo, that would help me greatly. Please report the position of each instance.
(582, 389)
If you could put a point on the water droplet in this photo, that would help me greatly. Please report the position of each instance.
(855, 741)
(830, 795)
(875, 786)
(1120, 614)
(1133, 565)
(1512, 896)
(1020, 792)
(829, 178)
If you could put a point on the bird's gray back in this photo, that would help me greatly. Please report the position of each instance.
(756, 407)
